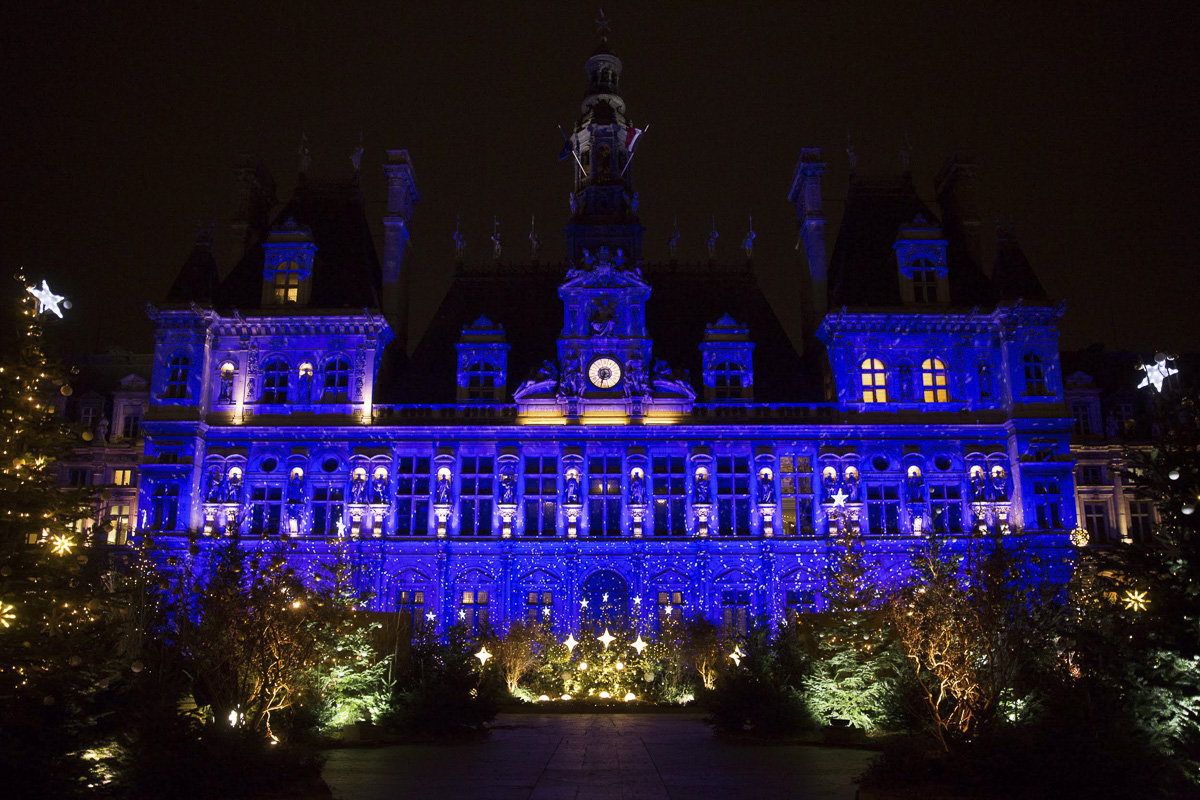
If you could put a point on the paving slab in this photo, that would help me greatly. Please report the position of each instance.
(596, 757)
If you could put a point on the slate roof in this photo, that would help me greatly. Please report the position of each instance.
(198, 278)
(684, 298)
(346, 271)
(1012, 276)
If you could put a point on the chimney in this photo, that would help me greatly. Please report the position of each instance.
(402, 196)
(805, 195)
(956, 197)
(256, 198)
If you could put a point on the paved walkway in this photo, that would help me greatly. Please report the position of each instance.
(586, 756)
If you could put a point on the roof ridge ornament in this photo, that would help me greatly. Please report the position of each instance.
(603, 25)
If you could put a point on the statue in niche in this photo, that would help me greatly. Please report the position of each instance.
(829, 483)
(999, 484)
(358, 488)
(978, 487)
(700, 493)
(573, 201)
(906, 382)
(212, 486)
(766, 488)
(295, 489)
(915, 486)
(226, 395)
(603, 317)
(233, 487)
(850, 485)
(634, 203)
(508, 488)
(571, 490)
(304, 386)
(711, 241)
(102, 429)
(637, 489)
(379, 486)
(985, 382)
(441, 495)
(748, 243)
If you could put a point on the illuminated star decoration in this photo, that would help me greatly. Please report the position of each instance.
(637, 601)
(737, 655)
(606, 639)
(570, 643)
(546, 611)
(1136, 601)
(1156, 373)
(462, 614)
(341, 529)
(840, 498)
(7, 615)
(62, 545)
(483, 655)
(47, 300)
(605, 597)
(583, 603)
(668, 609)
(639, 645)
(431, 616)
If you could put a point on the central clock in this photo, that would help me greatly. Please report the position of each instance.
(604, 373)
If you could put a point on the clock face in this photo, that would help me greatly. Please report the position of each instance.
(604, 373)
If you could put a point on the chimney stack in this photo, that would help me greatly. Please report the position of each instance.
(805, 195)
(402, 196)
(956, 197)
(256, 198)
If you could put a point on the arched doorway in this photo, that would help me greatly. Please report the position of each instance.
(607, 598)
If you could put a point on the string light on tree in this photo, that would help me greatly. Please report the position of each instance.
(62, 544)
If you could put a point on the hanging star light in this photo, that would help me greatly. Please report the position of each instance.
(462, 614)
(341, 529)
(48, 300)
(604, 597)
(570, 642)
(483, 655)
(840, 498)
(546, 611)
(1156, 373)
(430, 616)
(606, 639)
(1136, 600)
(639, 645)
(667, 609)
(62, 544)
(637, 601)
(7, 615)
(583, 603)
(737, 655)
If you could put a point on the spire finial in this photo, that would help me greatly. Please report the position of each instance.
(305, 156)
(673, 242)
(496, 238)
(603, 25)
(711, 241)
(357, 153)
(748, 240)
(460, 243)
(535, 243)
(850, 152)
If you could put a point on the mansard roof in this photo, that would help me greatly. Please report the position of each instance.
(684, 299)
(862, 268)
(346, 271)
(198, 278)
(1012, 276)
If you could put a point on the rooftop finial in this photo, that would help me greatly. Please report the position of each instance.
(603, 25)
(711, 241)
(460, 243)
(673, 242)
(496, 238)
(748, 240)
(357, 153)
(850, 152)
(305, 156)
(535, 243)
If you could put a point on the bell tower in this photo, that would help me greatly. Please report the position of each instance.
(603, 203)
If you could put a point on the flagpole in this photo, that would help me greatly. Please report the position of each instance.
(633, 154)
(576, 157)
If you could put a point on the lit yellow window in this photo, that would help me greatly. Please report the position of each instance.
(933, 381)
(874, 381)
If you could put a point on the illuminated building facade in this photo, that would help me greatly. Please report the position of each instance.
(606, 438)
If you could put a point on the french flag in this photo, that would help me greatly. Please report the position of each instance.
(632, 134)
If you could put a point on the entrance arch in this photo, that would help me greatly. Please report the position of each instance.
(607, 597)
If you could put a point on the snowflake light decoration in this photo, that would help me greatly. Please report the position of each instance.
(1156, 373)
(62, 544)
(1080, 537)
(7, 615)
(1136, 600)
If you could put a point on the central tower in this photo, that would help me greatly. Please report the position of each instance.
(603, 204)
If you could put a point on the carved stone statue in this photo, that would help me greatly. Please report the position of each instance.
(305, 156)
(978, 487)
(295, 489)
(1111, 427)
(571, 384)
(212, 486)
(636, 384)
(906, 382)
(535, 243)
(571, 490)
(102, 429)
(700, 493)
(379, 486)
(508, 487)
(304, 386)
(602, 317)
(496, 238)
(635, 202)
(667, 380)
(711, 241)
(766, 489)
(226, 395)
(850, 486)
(441, 495)
(915, 486)
(233, 488)
(748, 241)
(358, 489)
(356, 155)
(637, 489)
(999, 485)
(546, 380)
(985, 382)
(829, 484)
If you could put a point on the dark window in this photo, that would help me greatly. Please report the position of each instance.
(475, 496)
(1082, 412)
(670, 606)
(945, 507)
(177, 377)
(481, 379)
(883, 509)
(165, 507)
(799, 601)
(87, 415)
(473, 610)
(337, 381)
(735, 612)
(604, 496)
(412, 496)
(411, 605)
(131, 426)
(670, 496)
(266, 502)
(327, 505)
(1141, 520)
(1095, 519)
(275, 381)
(1091, 475)
(1047, 500)
(78, 476)
(1035, 375)
(795, 494)
(539, 608)
(925, 284)
(541, 495)
(727, 381)
(733, 496)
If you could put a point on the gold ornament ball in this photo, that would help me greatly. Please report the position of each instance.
(137, 666)
(66, 390)
(87, 436)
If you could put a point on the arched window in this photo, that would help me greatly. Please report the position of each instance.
(727, 380)
(177, 376)
(1035, 375)
(933, 381)
(481, 380)
(874, 381)
(275, 381)
(337, 381)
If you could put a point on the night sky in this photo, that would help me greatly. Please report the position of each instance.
(122, 123)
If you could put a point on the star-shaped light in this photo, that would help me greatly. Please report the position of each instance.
(637, 601)
(583, 603)
(840, 498)
(7, 615)
(1156, 373)
(606, 639)
(47, 300)
(668, 609)
(430, 616)
(462, 614)
(737, 655)
(570, 643)
(62, 544)
(639, 645)
(341, 529)
(483, 655)
(1136, 601)
(546, 611)
(604, 597)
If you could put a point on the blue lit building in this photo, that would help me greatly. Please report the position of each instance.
(640, 436)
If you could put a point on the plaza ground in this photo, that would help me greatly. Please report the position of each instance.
(586, 756)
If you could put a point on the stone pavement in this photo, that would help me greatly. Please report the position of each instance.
(586, 756)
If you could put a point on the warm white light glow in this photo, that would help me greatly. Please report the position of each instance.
(483, 655)
(606, 639)
(630, 696)
(570, 642)
(639, 644)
